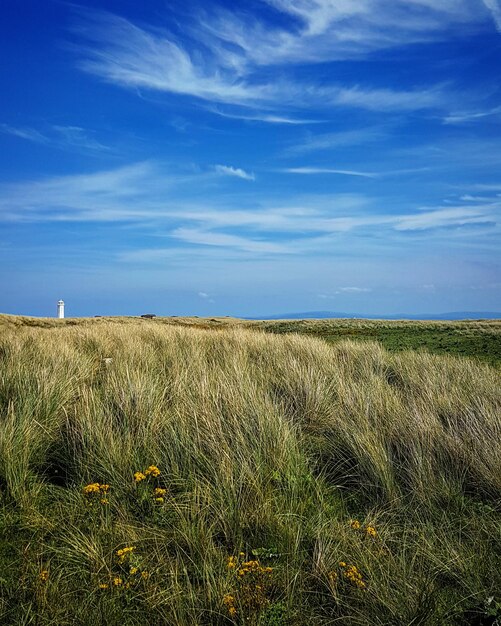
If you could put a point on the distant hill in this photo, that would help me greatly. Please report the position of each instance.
(456, 315)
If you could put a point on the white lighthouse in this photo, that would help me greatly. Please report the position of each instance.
(60, 309)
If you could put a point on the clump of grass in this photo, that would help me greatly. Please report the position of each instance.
(347, 483)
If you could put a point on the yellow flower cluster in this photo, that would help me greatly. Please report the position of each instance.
(352, 574)
(44, 575)
(91, 488)
(159, 493)
(152, 470)
(96, 490)
(253, 583)
(253, 567)
(129, 572)
(369, 530)
(118, 581)
(229, 602)
(125, 553)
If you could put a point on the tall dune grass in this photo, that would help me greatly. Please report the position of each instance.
(282, 450)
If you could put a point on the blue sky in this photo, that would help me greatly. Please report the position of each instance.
(250, 158)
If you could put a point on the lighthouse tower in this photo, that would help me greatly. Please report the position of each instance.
(60, 309)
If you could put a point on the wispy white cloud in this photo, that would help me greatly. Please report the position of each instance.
(327, 170)
(98, 196)
(354, 289)
(454, 216)
(469, 198)
(77, 137)
(344, 290)
(495, 9)
(144, 194)
(223, 66)
(211, 238)
(122, 53)
(323, 30)
(486, 186)
(356, 173)
(205, 296)
(24, 133)
(382, 174)
(429, 287)
(340, 139)
(388, 99)
(460, 118)
(64, 137)
(266, 118)
(228, 170)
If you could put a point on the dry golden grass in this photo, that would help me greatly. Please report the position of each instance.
(267, 446)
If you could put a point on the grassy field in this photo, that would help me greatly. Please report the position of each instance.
(197, 472)
(479, 339)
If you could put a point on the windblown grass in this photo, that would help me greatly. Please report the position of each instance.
(479, 339)
(284, 452)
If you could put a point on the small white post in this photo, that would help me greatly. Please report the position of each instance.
(60, 309)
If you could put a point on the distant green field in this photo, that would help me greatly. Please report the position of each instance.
(480, 339)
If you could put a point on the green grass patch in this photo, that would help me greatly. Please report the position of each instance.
(479, 340)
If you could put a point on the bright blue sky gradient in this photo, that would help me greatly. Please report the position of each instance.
(198, 158)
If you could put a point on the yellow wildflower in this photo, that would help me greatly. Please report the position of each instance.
(103, 586)
(95, 489)
(153, 470)
(158, 492)
(139, 476)
(44, 575)
(117, 581)
(133, 570)
(145, 575)
(123, 553)
(91, 488)
(231, 562)
(160, 500)
(352, 574)
(342, 564)
(371, 531)
(355, 524)
(229, 602)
